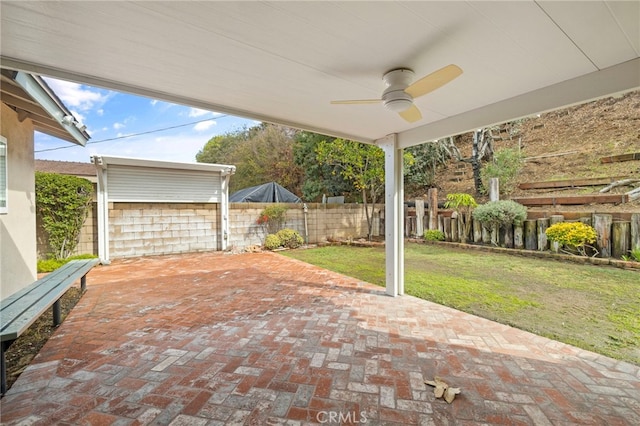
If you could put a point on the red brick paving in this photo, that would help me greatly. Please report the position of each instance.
(213, 339)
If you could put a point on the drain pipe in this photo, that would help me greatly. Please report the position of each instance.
(305, 209)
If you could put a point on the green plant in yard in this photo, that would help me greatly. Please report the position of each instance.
(433, 235)
(573, 235)
(272, 242)
(290, 238)
(62, 204)
(634, 255)
(500, 213)
(50, 265)
(272, 217)
(463, 204)
(505, 166)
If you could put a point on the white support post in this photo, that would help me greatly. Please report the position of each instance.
(224, 211)
(103, 212)
(394, 218)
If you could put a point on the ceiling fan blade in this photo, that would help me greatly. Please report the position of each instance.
(433, 81)
(357, 101)
(412, 114)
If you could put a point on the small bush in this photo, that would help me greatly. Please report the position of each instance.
(50, 265)
(635, 254)
(500, 213)
(573, 235)
(272, 242)
(505, 166)
(290, 238)
(433, 235)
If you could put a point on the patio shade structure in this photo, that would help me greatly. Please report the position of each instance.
(284, 62)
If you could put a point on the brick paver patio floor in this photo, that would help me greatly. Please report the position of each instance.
(213, 339)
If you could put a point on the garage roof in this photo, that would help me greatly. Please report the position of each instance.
(284, 62)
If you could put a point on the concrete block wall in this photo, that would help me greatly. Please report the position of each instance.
(324, 221)
(142, 229)
(139, 229)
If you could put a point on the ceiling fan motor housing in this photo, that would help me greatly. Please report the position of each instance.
(394, 98)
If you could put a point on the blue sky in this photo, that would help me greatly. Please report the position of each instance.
(132, 126)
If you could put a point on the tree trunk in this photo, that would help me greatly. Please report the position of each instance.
(475, 160)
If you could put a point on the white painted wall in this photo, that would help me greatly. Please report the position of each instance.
(18, 251)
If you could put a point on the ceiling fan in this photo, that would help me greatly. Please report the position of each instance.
(400, 92)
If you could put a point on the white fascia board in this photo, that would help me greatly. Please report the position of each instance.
(105, 161)
(35, 89)
(610, 81)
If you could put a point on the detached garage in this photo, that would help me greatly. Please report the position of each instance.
(148, 207)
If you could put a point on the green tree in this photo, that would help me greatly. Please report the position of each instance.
(262, 153)
(421, 173)
(62, 204)
(505, 166)
(463, 204)
(360, 164)
(320, 178)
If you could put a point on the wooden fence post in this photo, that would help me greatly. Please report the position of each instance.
(530, 234)
(486, 235)
(419, 218)
(454, 229)
(506, 236)
(602, 224)
(543, 224)
(586, 220)
(555, 218)
(477, 231)
(447, 228)
(518, 237)
(635, 231)
(494, 189)
(440, 223)
(432, 196)
(620, 239)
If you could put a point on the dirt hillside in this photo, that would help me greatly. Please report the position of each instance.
(568, 144)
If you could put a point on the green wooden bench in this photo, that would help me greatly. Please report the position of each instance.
(23, 308)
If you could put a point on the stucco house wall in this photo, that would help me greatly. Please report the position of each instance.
(18, 226)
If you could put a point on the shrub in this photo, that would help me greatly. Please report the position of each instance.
(272, 217)
(50, 265)
(505, 166)
(573, 235)
(62, 203)
(463, 204)
(433, 235)
(290, 238)
(634, 254)
(500, 213)
(272, 242)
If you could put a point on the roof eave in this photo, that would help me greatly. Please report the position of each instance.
(41, 93)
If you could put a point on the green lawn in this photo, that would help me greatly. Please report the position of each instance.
(593, 307)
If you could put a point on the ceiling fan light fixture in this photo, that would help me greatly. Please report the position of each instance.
(398, 105)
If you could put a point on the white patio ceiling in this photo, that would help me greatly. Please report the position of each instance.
(284, 62)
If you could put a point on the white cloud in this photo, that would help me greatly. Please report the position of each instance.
(154, 102)
(118, 126)
(77, 96)
(197, 112)
(204, 125)
(100, 112)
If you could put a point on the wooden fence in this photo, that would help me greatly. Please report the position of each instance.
(617, 234)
